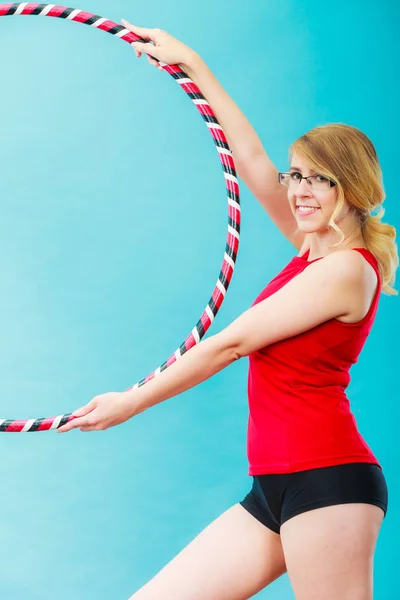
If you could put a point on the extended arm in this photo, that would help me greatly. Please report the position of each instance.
(340, 285)
(337, 286)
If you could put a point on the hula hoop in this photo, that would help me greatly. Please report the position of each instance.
(231, 182)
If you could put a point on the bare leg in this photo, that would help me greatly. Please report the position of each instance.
(330, 551)
(232, 559)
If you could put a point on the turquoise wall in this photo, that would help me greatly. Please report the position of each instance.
(112, 231)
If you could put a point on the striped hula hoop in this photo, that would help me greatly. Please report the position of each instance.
(225, 156)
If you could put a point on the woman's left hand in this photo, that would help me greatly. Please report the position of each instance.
(103, 412)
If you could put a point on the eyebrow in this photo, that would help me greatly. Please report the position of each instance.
(299, 170)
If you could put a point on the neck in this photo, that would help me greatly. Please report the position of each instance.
(321, 243)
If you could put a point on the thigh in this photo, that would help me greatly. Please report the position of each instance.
(232, 559)
(329, 551)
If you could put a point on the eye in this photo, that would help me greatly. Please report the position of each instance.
(295, 176)
(321, 178)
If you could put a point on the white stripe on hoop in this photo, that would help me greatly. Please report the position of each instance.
(210, 313)
(99, 22)
(229, 260)
(2, 421)
(230, 177)
(213, 126)
(46, 10)
(21, 8)
(233, 203)
(221, 287)
(202, 102)
(122, 33)
(233, 232)
(195, 334)
(184, 80)
(178, 354)
(157, 371)
(224, 151)
(56, 422)
(28, 425)
(74, 14)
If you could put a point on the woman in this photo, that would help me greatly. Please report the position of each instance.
(319, 495)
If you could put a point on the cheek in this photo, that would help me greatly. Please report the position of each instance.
(327, 202)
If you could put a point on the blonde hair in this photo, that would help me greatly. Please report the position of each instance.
(348, 157)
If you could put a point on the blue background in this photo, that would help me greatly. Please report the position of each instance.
(112, 232)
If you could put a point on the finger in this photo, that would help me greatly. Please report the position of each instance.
(152, 61)
(85, 410)
(73, 424)
(148, 49)
(143, 32)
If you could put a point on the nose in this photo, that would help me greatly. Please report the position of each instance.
(303, 189)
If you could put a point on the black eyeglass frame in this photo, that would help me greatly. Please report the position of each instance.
(312, 177)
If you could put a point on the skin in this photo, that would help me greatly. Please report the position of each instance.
(236, 556)
(319, 237)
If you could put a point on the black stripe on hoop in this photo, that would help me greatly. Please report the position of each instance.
(230, 252)
(39, 9)
(11, 11)
(116, 29)
(92, 20)
(66, 13)
(35, 426)
(228, 169)
(209, 119)
(4, 426)
(221, 144)
(234, 225)
(223, 280)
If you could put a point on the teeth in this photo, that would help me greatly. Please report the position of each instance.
(306, 208)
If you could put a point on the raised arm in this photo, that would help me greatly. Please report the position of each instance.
(252, 162)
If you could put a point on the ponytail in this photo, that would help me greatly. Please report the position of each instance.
(380, 238)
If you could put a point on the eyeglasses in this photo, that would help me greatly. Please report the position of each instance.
(315, 182)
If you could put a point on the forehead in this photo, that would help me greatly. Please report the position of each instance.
(300, 164)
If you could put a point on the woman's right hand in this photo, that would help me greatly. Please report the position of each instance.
(164, 47)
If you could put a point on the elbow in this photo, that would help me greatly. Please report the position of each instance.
(228, 351)
(236, 354)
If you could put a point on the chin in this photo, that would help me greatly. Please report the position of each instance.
(309, 227)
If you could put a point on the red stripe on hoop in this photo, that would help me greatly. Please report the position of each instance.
(171, 360)
(205, 320)
(29, 8)
(205, 109)
(4, 8)
(232, 186)
(189, 87)
(56, 11)
(190, 341)
(218, 297)
(233, 242)
(227, 160)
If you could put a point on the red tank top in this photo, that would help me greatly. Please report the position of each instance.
(300, 416)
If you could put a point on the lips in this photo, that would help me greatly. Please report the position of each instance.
(306, 210)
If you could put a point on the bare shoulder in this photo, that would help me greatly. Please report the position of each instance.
(349, 266)
(348, 271)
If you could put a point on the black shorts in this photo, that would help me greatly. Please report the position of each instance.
(275, 499)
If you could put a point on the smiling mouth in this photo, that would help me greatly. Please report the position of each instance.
(302, 208)
(306, 210)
